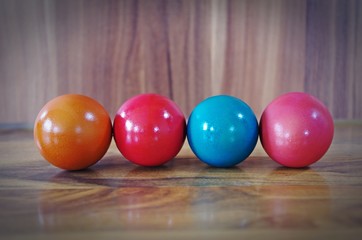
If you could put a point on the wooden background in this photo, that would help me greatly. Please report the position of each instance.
(187, 50)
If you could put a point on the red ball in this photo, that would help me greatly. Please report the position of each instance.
(149, 129)
(296, 129)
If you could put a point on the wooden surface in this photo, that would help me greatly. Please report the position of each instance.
(187, 50)
(257, 199)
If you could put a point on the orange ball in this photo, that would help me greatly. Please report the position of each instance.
(73, 131)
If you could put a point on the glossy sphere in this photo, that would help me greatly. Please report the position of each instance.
(296, 129)
(222, 131)
(149, 129)
(73, 132)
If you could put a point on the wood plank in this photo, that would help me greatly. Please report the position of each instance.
(184, 198)
(186, 50)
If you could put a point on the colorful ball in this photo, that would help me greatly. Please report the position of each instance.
(149, 129)
(222, 131)
(296, 129)
(73, 131)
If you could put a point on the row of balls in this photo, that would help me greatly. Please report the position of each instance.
(73, 131)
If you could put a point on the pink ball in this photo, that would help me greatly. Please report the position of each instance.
(296, 129)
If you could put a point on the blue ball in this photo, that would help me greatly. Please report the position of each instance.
(222, 131)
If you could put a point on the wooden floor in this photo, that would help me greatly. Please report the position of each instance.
(258, 199)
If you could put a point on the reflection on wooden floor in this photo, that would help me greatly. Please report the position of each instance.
(256, 198)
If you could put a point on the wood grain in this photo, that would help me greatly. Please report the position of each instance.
(257, 199)
(186, 50)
